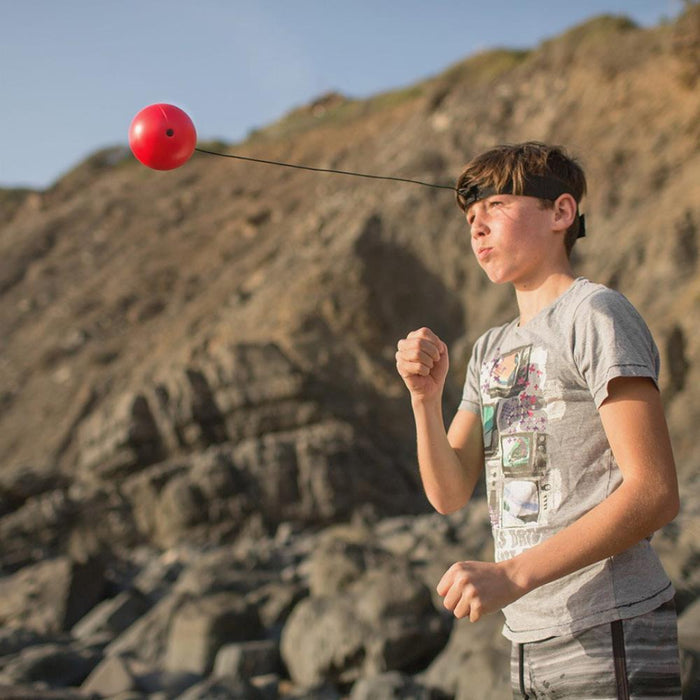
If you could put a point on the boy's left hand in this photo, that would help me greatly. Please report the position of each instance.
(474, 588)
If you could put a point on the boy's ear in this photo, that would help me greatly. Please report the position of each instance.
(565, 209)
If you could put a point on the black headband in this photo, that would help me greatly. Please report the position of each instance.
(540, 186)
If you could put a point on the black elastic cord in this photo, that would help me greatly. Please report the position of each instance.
(327, 170)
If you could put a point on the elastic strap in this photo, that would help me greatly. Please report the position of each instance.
(618, 644)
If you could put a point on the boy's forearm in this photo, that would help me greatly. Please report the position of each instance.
(627, 516)
(646, 500)
(448, 484)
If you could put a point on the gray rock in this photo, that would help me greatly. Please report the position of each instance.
(157, 573)
(324, 691)
(27, 692)
(319, 473)
(51, 596)
(53, 664)
(24, 482)
(274, 602)
(383, 621)
(119, 438)
(245, 391)
(142, 490)
(37, 529)
(147, 639)
(267, 685)
(14, 639)
(324, 640)
(110, 677)
(166, 684)
(202, 626)
(392, 685)
(179, 507)
(113, 616)
(221, 570)
(223, 688)
(248, 659)
(476, 656)
(341, 557)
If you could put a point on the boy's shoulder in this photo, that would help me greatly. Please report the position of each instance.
(591, 300)
(584, 289)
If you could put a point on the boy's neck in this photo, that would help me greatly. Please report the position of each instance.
(533, 298)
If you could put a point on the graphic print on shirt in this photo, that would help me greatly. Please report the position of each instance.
(515, 437)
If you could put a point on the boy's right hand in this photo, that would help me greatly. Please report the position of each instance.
(422, 361)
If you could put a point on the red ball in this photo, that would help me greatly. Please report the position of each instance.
(162, 137)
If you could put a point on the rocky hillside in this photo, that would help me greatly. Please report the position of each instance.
(203, 438)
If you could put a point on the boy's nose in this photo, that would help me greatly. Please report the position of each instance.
(479, 227)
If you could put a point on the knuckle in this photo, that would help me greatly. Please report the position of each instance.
(463, 577)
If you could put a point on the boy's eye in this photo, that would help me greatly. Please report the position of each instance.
(495, 203)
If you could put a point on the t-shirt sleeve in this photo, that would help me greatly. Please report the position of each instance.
(612, 340)
(471, 400)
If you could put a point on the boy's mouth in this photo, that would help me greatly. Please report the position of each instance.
(483, 252)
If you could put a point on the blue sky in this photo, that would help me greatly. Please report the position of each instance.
(73, 73)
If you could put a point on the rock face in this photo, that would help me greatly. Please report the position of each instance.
(208, 483)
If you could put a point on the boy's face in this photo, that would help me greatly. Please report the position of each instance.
(513, 238)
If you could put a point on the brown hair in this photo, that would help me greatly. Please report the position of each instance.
(507, 167)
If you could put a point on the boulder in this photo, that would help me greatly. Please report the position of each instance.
(119, 438)
(222, 688)
(36, 529)
(24, 482)
(274, 602)
(55, 665)
(202, 626)
(341, 557)
(324, 640)
(109, 678)
(158, 683)
(476, 656)
(392, 685)
(323, 691)
(147, 639)
(383, 621)
(248, 659)
(111, 617)
(14, 639)
(30, 692)
(51, 596)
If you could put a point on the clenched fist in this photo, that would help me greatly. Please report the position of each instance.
(422, 361)
(474, 588)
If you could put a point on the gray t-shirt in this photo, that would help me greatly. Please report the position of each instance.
(547, 459)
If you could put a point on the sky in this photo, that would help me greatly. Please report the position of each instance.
(73, 73)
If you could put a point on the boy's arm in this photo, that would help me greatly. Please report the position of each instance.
(450, 463)
(647, 499)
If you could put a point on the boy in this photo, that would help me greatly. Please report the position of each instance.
(561, 410)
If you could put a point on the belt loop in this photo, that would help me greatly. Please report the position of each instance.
(521, 669)
(618, 645)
